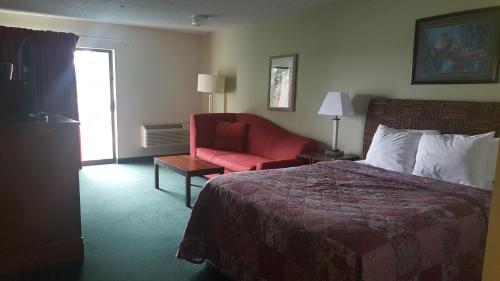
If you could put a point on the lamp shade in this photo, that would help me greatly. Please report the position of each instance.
(336, 103)
(208, 83)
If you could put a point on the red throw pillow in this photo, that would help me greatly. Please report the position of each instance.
(230, 136)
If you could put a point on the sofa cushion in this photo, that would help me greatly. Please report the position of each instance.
(230, 135)
(239, 162)
(232, 161)
(208, 154)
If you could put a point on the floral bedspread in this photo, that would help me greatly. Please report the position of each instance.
(338, 220)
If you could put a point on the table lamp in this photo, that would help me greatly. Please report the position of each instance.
(208, 83)
(336, 104)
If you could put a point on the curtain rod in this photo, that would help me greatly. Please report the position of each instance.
(104, 38)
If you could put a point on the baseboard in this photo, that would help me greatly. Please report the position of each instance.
(70, 251)
(129, 160)
(99, 162)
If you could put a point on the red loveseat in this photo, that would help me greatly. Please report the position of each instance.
(267, 145)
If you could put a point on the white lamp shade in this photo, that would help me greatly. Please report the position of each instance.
(208, 83)
(336, 103)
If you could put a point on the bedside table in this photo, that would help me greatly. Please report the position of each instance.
(315, 157)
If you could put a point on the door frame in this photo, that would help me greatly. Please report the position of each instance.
(111, 57)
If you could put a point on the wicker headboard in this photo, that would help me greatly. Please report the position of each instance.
(449, 117)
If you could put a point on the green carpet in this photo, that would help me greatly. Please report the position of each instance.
(131, 230)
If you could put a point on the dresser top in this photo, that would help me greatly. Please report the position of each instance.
(53, 120)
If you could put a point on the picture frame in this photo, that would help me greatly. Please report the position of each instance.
(457, 48)
(282, 82)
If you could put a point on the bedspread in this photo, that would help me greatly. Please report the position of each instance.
(338, 220)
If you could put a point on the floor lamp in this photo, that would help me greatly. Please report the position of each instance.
(208, 83)
(336, 104)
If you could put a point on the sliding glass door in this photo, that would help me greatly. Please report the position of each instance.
(96, 105)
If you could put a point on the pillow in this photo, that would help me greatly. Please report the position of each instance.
(393, 149)
(491, 164)
(432, 132)
(454, 158)
(230, 135)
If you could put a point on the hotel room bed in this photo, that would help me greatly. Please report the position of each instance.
(338, 221)
(344, 220)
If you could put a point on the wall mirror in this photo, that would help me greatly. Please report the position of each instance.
(282, 82)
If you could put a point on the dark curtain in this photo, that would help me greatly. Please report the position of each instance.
(53, 70)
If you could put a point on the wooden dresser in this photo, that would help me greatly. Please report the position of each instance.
(39, 194)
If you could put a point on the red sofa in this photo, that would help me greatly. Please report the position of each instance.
(268, 146)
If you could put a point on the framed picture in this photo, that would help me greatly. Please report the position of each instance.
(457, 48)
(282, 82)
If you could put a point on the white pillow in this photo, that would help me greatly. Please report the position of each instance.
(454, 158)
(491, 167)
(432, 132)
(393, 149)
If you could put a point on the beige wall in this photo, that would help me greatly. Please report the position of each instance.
(360, 46)
(364, 47)
(155, 71)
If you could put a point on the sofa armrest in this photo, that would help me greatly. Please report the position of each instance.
(277, 164)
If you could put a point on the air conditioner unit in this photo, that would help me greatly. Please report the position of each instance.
(164, 135)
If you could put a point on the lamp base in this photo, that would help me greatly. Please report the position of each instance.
(334, 153)
(210, 103)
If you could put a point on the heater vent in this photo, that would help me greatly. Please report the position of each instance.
(164, 135)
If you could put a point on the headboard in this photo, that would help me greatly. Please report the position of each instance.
(449, 117)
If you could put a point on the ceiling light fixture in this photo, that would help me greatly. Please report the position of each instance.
(197, 20)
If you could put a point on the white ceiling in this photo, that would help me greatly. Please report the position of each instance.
(174, 14)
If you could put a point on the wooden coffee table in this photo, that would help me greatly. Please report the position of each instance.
(188, 167)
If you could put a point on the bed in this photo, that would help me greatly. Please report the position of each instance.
(344, 220)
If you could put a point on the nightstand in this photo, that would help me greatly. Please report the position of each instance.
(315, 157)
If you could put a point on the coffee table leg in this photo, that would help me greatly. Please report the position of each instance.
(188, 191)
(157, 177)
